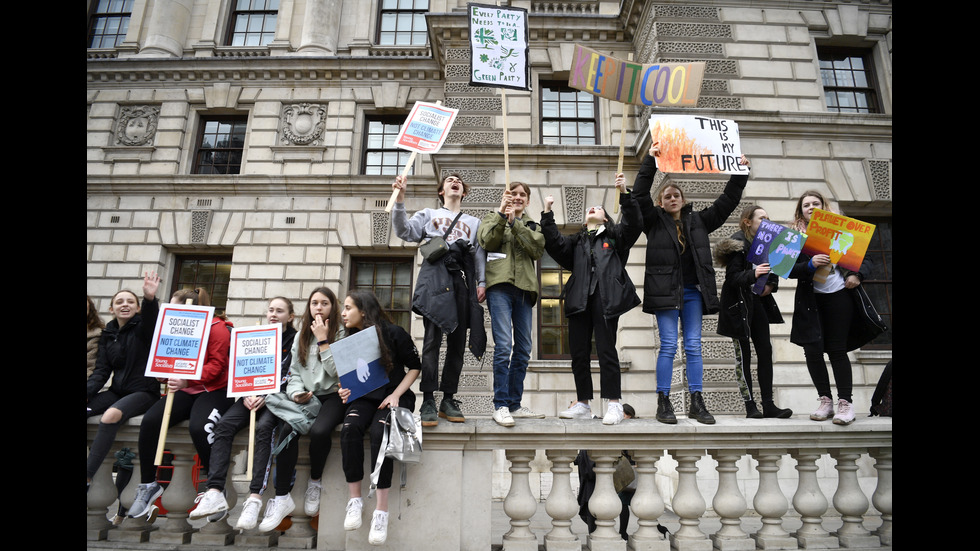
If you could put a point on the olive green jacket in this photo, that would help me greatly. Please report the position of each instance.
(511, 250)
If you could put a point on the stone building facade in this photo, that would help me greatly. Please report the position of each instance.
(243, 140)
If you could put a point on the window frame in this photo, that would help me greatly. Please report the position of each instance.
(400, 316)
(581, 97)
(397, 12)
(394, 121)
(878, 283)
(123, 16)
(218, 299)
(265, 37)
(871, 90)
(203, 121)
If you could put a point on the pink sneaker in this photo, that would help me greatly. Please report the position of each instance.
(845, 413)
(825, 410)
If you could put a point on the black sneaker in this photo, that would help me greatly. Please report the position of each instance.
(429, 413)
(772, 411)
(449, 409)
(752, 411)
(665, 410)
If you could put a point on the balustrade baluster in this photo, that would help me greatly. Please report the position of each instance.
(101, 494)
(561, 504)
(770, 503)
(688, 503)
(729, 504)
(647, 504)
(810, 503)
(850, 501)
(177, 499)
(604, 504)
(520, 504)
(882, 497)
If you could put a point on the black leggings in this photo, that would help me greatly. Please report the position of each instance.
(202, 411)
(759, 331)
(236, 418)
(364, 417)
(130, 405)
(835, 311)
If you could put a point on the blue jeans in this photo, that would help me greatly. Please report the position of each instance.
(510, 323)
(690, 319)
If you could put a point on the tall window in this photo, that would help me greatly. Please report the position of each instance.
(848, 80)
(253, 22)
(220, 145)
(380, 154)
(402, 23)
(109, 23)
(568, 116)
(391, 281)
(213, 273)
(878, 283)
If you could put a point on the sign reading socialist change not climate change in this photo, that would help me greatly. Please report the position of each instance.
(180, 341)
(426, 127)
(256, 360)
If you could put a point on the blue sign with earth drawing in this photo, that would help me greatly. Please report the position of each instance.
(778, 246)
(358, 361)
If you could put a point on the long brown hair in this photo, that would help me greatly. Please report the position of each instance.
(374, 315)
(745, 220)
(798, 222)
(677, 223)
(333, 322)
(94, 320)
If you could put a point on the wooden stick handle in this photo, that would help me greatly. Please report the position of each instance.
(503, 113)
(622, 144)
(163, 427)
(251, 442)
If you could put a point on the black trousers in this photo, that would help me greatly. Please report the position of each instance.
(455, 345)
(836, 311)
(581, 328)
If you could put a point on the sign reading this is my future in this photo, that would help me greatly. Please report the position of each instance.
(180, 341)
(256, 360)
(499, 46)
(695, 144)
(663, 84)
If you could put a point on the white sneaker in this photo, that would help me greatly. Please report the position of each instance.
(250, 514)
(210, 502)
(312, 503)
(825, 410)
(614, 414)
(526, 413)
(502, 416)
(276, 509)
(577, 411)
(353, 519)
(845, 413)
(379, 528)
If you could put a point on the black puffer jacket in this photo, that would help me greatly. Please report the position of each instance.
(738, 302)
(123, 353)
(807, 328)
(610, 249)
(663, 282)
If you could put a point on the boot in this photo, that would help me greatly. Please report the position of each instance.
(752, 411)
(665, 411)
(698, 411)
(771, 410)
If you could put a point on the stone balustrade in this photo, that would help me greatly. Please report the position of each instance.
(735, 466)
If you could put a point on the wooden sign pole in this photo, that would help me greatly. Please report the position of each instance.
(408, 166)
(622, 145)
(165, 424)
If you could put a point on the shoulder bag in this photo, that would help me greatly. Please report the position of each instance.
(435, 248)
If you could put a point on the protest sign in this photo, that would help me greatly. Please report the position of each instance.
(358, 361)
(180, 341)
(426, 127)
(777, 246)
(694, 144)
(256, 360)
(498, 46)
(662, 84)
(843, 238)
